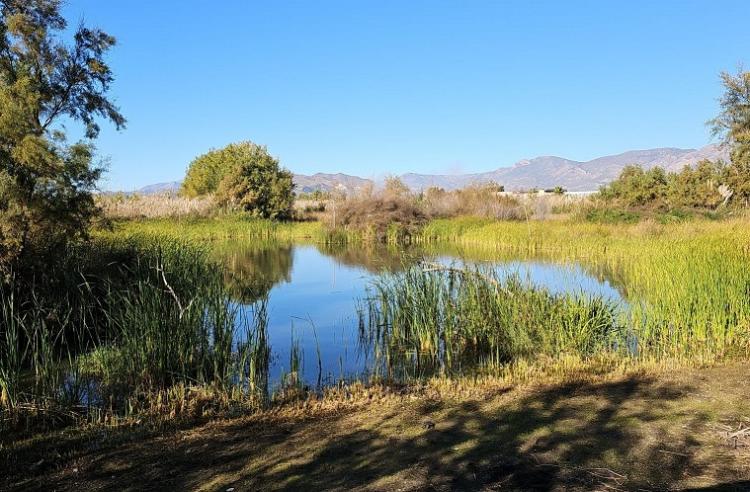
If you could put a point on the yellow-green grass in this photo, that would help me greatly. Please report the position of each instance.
(688, 284)
(223, 227)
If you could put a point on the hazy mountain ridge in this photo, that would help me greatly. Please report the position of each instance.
(550, 171)
(539, 172)
(168, 187)
(328, 182)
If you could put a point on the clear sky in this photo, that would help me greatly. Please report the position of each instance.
(377, 87)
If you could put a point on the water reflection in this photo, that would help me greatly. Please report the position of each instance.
(252, 268)
(375, 258)
(314, 296)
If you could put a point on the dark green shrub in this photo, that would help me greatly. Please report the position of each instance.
(244, 177)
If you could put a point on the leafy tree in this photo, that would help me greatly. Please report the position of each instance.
(245, 177)
(253, 270)
(636, 187)
(45, 182)
(733, 124)
(206, 171)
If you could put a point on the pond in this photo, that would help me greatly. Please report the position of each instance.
(314, 296)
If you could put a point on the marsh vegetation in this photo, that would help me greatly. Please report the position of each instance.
(171, 323)
(236, 297)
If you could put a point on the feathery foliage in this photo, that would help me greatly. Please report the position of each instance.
(45, 182)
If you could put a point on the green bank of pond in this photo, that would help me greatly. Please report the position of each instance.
(349, 309)
(250, 309)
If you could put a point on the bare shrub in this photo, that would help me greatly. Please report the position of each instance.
(475, 200)
(391, 211)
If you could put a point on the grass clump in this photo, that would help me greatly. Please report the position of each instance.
(445, 320)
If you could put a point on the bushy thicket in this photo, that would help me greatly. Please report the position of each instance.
(702, 186)
(391, 212)
(244, 176)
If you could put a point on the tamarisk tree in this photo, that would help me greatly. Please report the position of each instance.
(46, 182)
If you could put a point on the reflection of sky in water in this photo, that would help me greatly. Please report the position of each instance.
(325, 291)
(555, 277)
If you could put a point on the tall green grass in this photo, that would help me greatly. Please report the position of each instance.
(223, 227)
(147, 315)
(444, 320)
(688, 283)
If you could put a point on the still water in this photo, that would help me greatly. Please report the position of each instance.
(314, 294)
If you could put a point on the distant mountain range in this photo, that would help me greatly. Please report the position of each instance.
(155, 189)
(539, 172)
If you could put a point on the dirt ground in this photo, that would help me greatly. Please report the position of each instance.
(677, 431)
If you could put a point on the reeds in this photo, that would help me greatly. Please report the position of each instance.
(148, 316)
(687, 283)
(222, 228)
(432, 319)
(139, 206)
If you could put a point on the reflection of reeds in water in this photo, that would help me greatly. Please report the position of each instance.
(373, 257)
(442, 320)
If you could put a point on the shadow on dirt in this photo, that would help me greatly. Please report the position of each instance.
(570, 436)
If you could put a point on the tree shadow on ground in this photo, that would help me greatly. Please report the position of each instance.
(559, 437)
(625, 435)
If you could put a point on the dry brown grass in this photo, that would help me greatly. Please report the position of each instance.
(396, 207)
(476, 200)
(122, 206)
(542, 206)
(371, 210)
(636, 431)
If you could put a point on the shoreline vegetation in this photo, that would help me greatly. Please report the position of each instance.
(704, 316)
(118, 322)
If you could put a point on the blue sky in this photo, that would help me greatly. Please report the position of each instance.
(371, 88)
